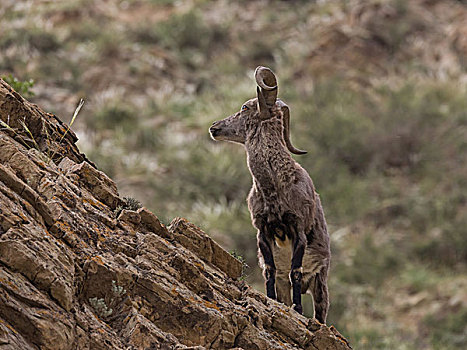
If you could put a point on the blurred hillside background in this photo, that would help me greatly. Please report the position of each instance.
(378, 97)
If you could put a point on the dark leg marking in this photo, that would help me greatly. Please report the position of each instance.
(265, 248)
(296, 277)
(296, 273)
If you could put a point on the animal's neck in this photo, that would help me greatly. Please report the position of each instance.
(269, 161)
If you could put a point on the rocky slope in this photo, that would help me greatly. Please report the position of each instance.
(79, 269)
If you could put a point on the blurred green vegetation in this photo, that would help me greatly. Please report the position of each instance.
(22, 87)
(384, 127)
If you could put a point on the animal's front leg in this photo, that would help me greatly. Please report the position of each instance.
(296, 273)
(265, 248)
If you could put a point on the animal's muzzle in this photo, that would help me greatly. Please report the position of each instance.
(214, 131)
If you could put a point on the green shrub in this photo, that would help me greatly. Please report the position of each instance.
(113, 116)
(82, 31)
(418, 278)
(447, 330)
(22, 87)
(33, 37)
(188, 36)
(370, 264)
(372, 339)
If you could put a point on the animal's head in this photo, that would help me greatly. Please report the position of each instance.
(237, 127)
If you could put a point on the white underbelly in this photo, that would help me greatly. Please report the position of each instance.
(282, 252)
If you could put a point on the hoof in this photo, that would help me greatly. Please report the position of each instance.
(298, 308)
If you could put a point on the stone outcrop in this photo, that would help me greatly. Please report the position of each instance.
(81, 269)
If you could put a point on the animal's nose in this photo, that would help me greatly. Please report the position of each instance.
(214, 132)
(214, 126)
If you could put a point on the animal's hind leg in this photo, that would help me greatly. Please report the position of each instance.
(282, 258)
(283, 289)
(321, 295)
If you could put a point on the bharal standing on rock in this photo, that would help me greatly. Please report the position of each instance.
(293, 241)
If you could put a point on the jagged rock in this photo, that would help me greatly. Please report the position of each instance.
(74, 276)
(191, 237)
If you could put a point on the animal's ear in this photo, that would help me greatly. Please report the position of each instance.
(262, 106)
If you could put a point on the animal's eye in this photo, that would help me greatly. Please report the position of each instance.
(244, 107)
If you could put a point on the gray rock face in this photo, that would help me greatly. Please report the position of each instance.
(75, 276)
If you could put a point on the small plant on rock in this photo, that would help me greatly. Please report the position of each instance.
(100, 307)
(117, 290)
(243, 261)
(105, 307)
(21, 87)
(129, 203)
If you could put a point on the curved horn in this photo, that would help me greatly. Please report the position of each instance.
(286, 122)
(266, 80)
